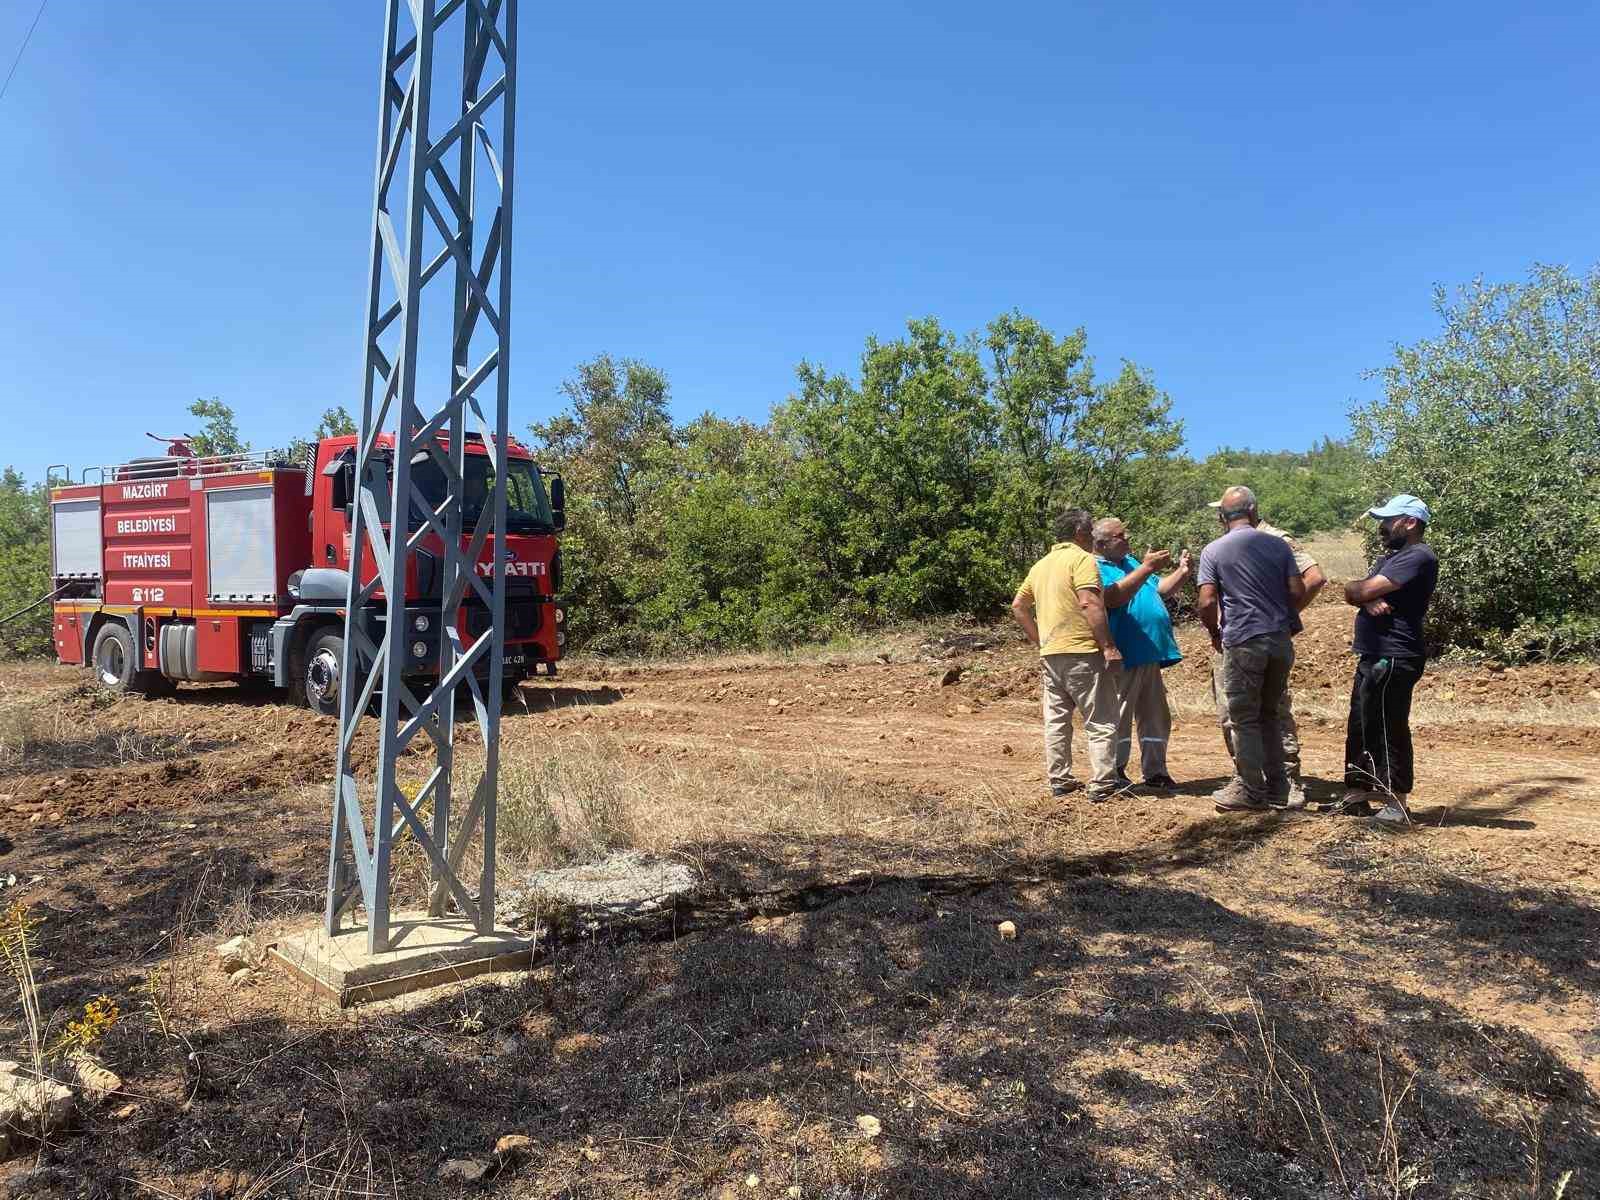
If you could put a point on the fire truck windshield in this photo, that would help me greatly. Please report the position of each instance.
(527, 505)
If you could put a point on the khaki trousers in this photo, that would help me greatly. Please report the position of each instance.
(1080, 681)
(1287, 729)
(1144, 707)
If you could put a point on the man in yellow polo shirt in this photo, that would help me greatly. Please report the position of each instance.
(1060, 608)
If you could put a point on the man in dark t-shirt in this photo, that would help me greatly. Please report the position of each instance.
(1392, 601)
(1250, 592)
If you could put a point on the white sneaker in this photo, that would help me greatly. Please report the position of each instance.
(1394, 814)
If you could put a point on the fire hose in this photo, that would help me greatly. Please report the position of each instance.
(42, 600)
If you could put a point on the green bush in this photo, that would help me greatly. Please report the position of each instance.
(24, 564)
(925, 485)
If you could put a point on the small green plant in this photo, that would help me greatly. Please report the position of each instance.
(155, 998)
(88, 1031)
(83, 1033)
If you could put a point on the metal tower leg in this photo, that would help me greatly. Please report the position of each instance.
(425, 205)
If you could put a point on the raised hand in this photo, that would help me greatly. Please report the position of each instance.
(1183, 561)
(1157, 560)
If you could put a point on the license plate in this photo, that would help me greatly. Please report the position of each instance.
(516, 660)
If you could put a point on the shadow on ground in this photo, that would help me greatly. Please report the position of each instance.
(992, 1067)
(544, 698)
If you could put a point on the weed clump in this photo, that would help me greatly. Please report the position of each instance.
(562, 808)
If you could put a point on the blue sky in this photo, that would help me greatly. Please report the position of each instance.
(1254, 202)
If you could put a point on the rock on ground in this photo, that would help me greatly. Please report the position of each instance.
(29, 1108)
(468, 1170)
(94, 1079)
(514, 1145)
(237, 954)
(625, 886)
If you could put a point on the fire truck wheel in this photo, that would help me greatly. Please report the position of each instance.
(319, 678)
(116, 667)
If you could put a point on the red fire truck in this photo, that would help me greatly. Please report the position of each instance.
(236, 567)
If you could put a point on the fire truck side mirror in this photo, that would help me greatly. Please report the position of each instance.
(558, 502)
(342, 471)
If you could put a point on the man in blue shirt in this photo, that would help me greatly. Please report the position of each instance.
(1391, 602)
(1136, 608)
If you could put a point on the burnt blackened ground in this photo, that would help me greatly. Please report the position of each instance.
(1139, 1037)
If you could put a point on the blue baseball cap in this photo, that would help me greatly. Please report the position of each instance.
(1402, 506)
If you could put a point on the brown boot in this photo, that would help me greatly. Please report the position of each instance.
(1235, 797)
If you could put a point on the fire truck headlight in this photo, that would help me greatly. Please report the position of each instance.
(420, 649)
(561, 638)
(421, 623)
(561, 615)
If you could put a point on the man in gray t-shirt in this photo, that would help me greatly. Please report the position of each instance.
(1250, 589)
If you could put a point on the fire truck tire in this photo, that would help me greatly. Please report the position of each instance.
(317, 685)
(116, 666)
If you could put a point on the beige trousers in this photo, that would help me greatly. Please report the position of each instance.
(1080, 681)
(1144, 707)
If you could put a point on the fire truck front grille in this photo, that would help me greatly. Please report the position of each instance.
(523, 613)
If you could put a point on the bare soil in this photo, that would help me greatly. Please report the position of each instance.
(1193, 1005)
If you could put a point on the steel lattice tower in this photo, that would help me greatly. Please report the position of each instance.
(450, 190)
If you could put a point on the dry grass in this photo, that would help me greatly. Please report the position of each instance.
(896, 642)
(42, 731)
(1342, 556)
(19, 732)
(576, 797)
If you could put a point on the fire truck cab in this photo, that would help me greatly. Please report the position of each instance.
(186, 568)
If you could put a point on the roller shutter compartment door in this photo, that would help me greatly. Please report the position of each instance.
(241, 545)
(75, 544)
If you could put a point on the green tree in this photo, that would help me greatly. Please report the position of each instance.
(219, 430)
(1125, 440)
(335, 422)
(1040, 385)
(894, 478)
(618, 416)
(1495, 422)
(617, 424)
(925, 484)
(1311, 491)
(24, 564)
(733, 572)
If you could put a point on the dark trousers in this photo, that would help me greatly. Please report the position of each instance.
(1255, 674)
(1377, 739)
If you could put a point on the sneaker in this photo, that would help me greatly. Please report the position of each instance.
(1293, 800)
(1395, 814)
(1234, 797)
(1161, 783)
(1066, 789)
(1122, 779)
